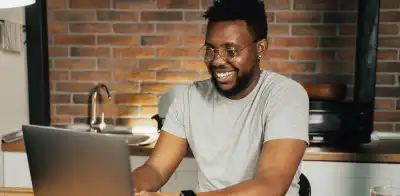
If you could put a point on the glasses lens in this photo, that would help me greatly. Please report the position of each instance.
(206, 53)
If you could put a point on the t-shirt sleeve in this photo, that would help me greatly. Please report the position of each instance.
(287, 113)
(173, 122)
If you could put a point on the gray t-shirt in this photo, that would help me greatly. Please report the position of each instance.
(227, 136)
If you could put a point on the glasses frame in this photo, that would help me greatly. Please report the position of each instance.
(217, 50)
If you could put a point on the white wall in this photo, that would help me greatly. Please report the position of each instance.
(14, 109)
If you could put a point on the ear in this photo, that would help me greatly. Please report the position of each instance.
(262, 47)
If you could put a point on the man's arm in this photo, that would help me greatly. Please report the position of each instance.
(165, 158)
(278, 164)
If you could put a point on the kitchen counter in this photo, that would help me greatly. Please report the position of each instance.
(5, 191)
(379, 151)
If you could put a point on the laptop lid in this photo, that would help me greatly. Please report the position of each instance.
(64, 163)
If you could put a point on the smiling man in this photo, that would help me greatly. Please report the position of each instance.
(247, 128)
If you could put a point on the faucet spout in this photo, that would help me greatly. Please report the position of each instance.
(94, 103)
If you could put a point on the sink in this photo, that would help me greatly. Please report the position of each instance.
(124, 132)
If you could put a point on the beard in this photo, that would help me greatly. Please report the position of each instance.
(242, 82)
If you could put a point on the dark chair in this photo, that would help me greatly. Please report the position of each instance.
(305, 186)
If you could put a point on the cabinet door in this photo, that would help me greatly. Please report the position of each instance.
(184, 178)
(16, 170)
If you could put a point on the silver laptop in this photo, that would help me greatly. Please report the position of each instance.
(69, 163)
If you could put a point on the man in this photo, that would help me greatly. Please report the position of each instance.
(247, 128)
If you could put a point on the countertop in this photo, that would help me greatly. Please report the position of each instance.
(6, 191)
(378, 151)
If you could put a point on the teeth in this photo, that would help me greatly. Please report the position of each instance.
(224, 75)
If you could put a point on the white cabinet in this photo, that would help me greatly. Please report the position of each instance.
(326, 178)
(16, 172)
(349, 179)
(1, 169)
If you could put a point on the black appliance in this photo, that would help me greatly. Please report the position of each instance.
(351, 122)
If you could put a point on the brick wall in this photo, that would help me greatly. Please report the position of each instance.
(140, 48)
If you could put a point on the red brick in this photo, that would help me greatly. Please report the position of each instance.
(124, 87)
(387, 116)
(314, 30)
(60, 98)
(59, 75)
(390, 4)
(61, 120)
(56, 4)
(74, 15)
(194, 16)
(315, 5)
(90, 28)
(90, 75)
(312, 55)
(348, 5)
(71, 87)
(160, 40)
(347, 29)
(335, 67)
(74, 39)
(77, 110)
(134, 52)
(55, 51)
(197, 41)
(278, 30)
(117, 16)
(90, 51)
(118, 40)
(295, 42)
(382, 103)
(277, 4)
(89, 4)
(205, 75)
(177, 52)
(292, 67)
(388, 29)
(345, 54)
(393, 42)
(194, 65)
(117, 64)
(135, 4)
(340, 17)
(157, 88)
(385, 79)
(296, 17)
(277, 54)
(337, 42)
(387, 54)
(74, 64)
(57, 28)
(134, 76)
(148, 111)
(177, 76)
(134, 28)
(161, 16)
(388, 67)
(181, 29)
(136, 99)
(176, 4)
(156, 65)
(383, 127)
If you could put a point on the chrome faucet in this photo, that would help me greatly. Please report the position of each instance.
(93, 126)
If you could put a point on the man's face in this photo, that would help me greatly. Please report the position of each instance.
(231, 76)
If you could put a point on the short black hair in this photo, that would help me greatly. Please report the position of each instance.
(251, 11)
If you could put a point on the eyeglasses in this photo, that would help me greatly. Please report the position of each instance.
(227, 52)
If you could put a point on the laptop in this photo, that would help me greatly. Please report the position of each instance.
(63, 162)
